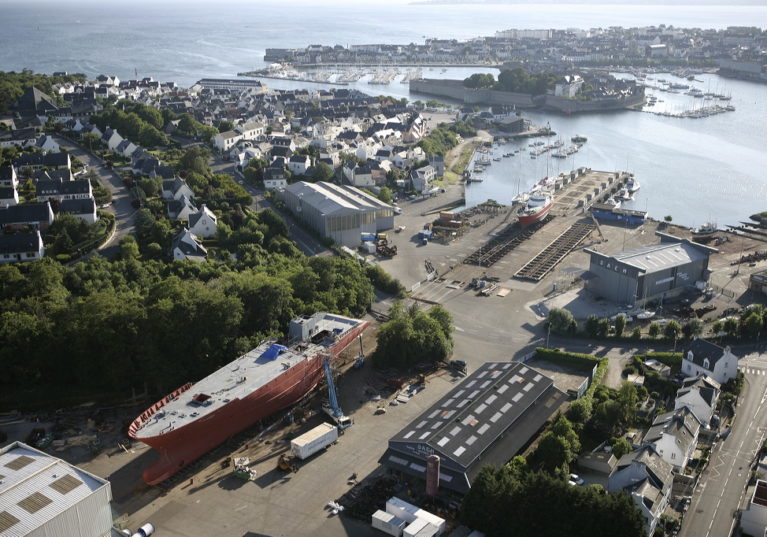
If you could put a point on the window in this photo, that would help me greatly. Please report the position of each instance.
(601, 262)
(624, 271)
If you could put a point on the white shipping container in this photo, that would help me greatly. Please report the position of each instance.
(314, 440)
(388, 523)
(410, 513)
(421, 528)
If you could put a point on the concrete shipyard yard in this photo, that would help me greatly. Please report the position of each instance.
(206, 499)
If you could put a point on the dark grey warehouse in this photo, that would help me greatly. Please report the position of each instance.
(659, 271)
(486, 419)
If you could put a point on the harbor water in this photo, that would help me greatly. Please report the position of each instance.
(695, 170)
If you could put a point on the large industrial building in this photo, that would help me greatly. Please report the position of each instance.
(486, 419)
(42, 496)
(338, 212)
(659, 271)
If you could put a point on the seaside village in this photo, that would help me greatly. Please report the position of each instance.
(337, 162)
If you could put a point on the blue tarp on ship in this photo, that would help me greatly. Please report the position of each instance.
(273, 351)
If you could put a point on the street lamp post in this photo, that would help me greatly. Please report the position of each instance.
(548, 334)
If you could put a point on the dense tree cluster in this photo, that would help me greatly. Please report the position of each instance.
(412, 336)
(518, 80)
(100, 328)
(513, 500)
(139, 123)
(189, 127)
(480, 81)
(13, 85)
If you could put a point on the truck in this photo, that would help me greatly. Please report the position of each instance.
(313, 441)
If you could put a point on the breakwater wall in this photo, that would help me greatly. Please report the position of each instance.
(454, 89)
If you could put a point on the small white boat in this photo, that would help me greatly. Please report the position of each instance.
(614, 203)
(623, 195)
(632, 186)
(645, 315)
(706, 229)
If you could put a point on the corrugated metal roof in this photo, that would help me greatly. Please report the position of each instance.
(661, 256)
(329, 198)
(37, 487)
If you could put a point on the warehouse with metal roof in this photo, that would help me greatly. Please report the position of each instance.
(338, 212)
(41, 495)
(487, 419)
(658, 271)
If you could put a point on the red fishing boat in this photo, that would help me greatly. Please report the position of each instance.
(535, 210)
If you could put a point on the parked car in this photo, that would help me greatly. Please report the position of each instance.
(575, 478)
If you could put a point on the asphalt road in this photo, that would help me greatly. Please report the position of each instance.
(720, 491)
(121, 201)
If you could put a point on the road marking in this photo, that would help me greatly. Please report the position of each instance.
(459, 329)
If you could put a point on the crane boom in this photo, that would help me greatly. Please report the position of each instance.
(334, 411)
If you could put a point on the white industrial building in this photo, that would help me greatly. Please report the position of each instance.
(338, 212)
(42, 496)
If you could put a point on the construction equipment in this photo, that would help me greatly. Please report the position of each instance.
(285, 463)
(242, 469)
(383, 248)
(333, 409)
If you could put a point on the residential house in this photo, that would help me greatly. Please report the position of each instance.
(37, 215)
(298, 164)
(224, 141)
(47, 144)
(19, 138)
(175, 189)
(358, 174)
(648, 479)
(29, 162)
(53, 175)
(753, 520)
(438, 163)
(64, 190)
(82, 208)
(422, 178)
(702, 357)
(21, 247)
(203, 223)
(568, 86)
(8, 196)
(674, 435)
(279, 151)
(251, 131)
(700, 395)
(112, 139)
(283, 141)
(126, 148)
(186, 246)
(34, 102)
(8, 177)
(274, 178)
(181, 208)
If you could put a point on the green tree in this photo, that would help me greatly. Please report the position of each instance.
(753, 324)
(592, 326)
(620, 447)
(225, 125)
(693, 327)
(579, 411)
(636, 333)
(129, 248)
(603, 328)
(672, 330)
(385, 194)
(620, 324)
(731, 327)
(654, 330)
(716, 327)
(562, 321)
(322, 172)
(195, 159)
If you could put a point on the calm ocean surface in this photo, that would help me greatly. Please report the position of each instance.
(692, 169)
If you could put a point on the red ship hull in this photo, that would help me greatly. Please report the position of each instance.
(527, 220)
(180, 447)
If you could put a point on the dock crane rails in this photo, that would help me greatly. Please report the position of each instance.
(334, 409)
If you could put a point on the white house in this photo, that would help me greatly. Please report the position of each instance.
(753, 521)
(112, 139)
(21, 247)
(47, 144)
(181, 208)
(203, 223)
(126, 148)
(59, 190)
(358, 174)
(702, 357)
(422, 177)
(186, 246)
(175, 189)
(700, 395)
(84, 209)
(251, 131)
(274, 178)
(8, 177)
(674, 435)
(568, 86)
(8, 196)
(647, 478)
(224, 141)
(298, 164)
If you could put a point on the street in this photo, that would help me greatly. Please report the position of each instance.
(121, 201)
(718, 495)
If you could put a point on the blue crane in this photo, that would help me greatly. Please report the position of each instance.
(334, 411)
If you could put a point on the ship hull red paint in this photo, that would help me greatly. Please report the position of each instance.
(525, 221)
(180, 447)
